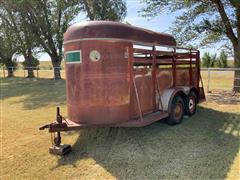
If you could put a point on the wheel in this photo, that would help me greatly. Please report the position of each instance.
(176, 112)
(191, 104)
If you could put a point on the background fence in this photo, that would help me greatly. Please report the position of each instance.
(38, 72)
(213, 78)
(218, 78)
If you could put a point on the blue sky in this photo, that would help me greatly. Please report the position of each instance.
(160, 23)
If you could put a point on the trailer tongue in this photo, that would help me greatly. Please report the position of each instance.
(57, 148)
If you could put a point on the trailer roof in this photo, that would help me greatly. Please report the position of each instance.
(116, 30)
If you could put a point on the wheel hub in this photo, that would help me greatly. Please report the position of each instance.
(191, 104)
(178, 111)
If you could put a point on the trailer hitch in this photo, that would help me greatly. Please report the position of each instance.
(57, 148)
(46, 126)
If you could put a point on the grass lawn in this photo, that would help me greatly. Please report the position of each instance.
(218, 80)
(203, 146)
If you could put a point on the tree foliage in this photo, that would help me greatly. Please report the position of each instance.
(48, 20)
(7, 47)
(210, 61)
(198, 20)
(15, 19)
(39, 24)
(206, 60)
(222, 61)
(214, 60)
(114, 10)
(203, 23)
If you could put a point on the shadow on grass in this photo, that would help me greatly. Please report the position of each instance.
(224, 97)
(38, 92)
(203, 146)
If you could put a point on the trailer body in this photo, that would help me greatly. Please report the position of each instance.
(119, 75)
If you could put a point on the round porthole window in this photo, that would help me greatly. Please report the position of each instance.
(94, 55)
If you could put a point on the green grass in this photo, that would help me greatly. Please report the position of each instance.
(203, 146)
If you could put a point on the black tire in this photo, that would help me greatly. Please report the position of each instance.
(176, 111)
(191, 105)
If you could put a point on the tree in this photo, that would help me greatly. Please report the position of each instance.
(214, 60)
(204, 22)
(206, 60)
(223, 59)
(7, 48)
(30, 65)
(48, 21)
(15, 17)
(114, 10)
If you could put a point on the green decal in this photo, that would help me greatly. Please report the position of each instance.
(73, 57)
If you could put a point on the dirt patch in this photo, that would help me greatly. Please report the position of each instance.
(224, 97)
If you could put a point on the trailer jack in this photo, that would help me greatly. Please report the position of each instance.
(57, 148)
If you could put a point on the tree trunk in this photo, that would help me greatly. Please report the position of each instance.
(56, 68)
(10, 71)
(30, 72)
(29, 64)
(236, 87)
(236, 83)
(57, 73)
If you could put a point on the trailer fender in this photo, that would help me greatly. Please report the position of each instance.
(168, 95)
(196, 92)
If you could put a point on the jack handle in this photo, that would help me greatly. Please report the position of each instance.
(58, 120)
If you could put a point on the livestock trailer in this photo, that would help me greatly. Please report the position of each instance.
(118, 75)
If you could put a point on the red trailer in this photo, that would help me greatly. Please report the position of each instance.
(118, 75)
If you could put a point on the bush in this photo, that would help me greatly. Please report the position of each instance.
(206, 60)
(209, 61)
(222, 61)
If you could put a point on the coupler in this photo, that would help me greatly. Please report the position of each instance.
(57, 148)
